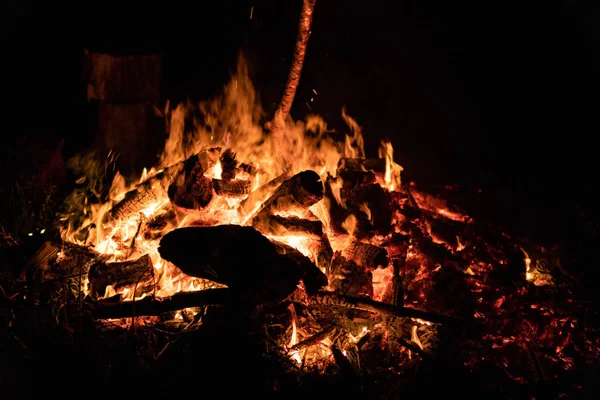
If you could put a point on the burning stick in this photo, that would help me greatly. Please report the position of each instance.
(115, 308)
(294, 195)
(280, 226)
(366, 255)
(367, 304)
(138, 272)
(294, 77)
(362, 164)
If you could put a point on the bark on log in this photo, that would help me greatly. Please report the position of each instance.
(366, 255)
(145, 194)
(294, 195)
(138, 272)
(275, 225)
(237, 256)
(231, 188)
(115, 308)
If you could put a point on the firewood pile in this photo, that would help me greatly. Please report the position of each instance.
(325, 258)
(345, 276)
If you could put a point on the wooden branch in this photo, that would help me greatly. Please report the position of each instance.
(289, 93)
(115, 308)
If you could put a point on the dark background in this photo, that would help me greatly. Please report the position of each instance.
(501, 98)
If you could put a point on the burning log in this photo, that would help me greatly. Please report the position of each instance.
(276, 225)
(313, 278)
(366, 255)
(114, 307)
(294, 195)
(145, 194)
(231, 188)
(258, 196)
(322, 253)
(138, 272)
(237, 256)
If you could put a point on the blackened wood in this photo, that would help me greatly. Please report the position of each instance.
(322, 253)
(138, 272)
(294, 195)
(196, 191)
(349, 279)
(142, 196)
(237, 256)
(333, 299)
(231, 188)
(312, 340)
(276, 225)
(251, 204)
(115, 308)
(366, 255)
(228, 164)
(314, 279)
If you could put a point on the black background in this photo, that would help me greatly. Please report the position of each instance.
(497, 97)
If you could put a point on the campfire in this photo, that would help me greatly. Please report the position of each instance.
(346, 269)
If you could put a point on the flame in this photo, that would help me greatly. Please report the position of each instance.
(231, 121)
(392, 170)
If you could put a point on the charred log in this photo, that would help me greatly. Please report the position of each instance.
(322, 253)
(228, 164)
(313, 278)
(231, 188)
(276, 225)
(196, 191)
(294, 195)
(239, 257)
(138, 273)
(258, 196)
(144, 195)
(366, 255)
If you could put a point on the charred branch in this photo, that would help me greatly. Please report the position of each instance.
(138, 273)
(114, 307)
(367, 304)
(362, 164)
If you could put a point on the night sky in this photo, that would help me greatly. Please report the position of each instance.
(499, 97)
